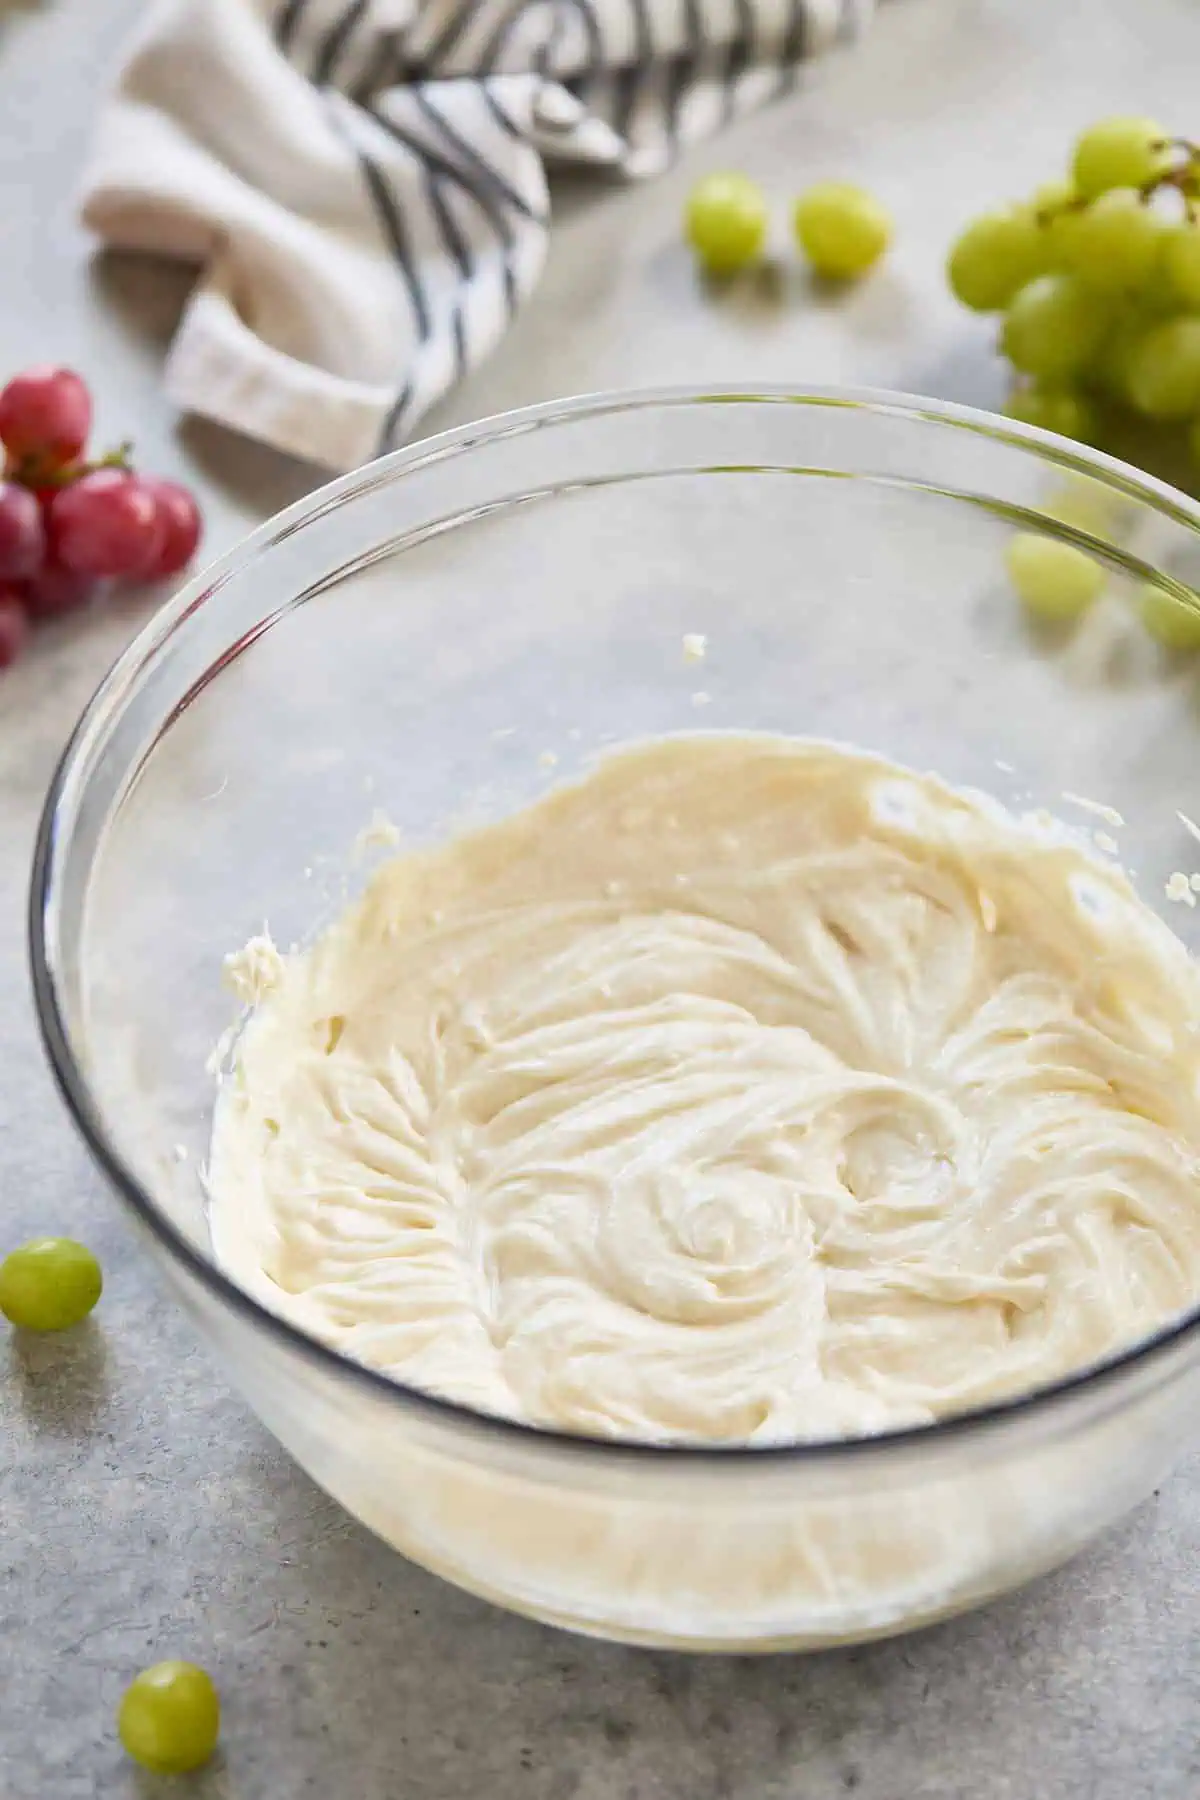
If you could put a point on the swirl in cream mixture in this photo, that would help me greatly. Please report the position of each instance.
(749, 1090)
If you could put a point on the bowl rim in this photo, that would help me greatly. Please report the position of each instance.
(88, 1117)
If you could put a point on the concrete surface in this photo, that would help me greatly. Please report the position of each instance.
(143, 1513)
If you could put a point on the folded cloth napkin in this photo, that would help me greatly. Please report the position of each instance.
(364, 181)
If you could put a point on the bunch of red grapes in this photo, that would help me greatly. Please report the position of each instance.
(69, 527)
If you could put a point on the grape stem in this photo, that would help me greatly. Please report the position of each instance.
(1184, 178)
(1175, 178)
(120, 458)
(34, 472)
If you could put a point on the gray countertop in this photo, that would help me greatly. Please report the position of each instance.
(143, 1512)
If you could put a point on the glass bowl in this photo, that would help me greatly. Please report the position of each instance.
(444, 635)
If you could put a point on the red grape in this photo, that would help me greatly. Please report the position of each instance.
(14, 626)
(106, 523)
(46, 491)
(22, 539)
(55, 590)
(179, 518)
(46, 413)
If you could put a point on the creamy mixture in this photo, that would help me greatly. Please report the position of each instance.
(749, 1090)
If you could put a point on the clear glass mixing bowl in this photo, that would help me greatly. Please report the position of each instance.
(445, 634)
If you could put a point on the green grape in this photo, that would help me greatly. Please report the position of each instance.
(49, 1284)
(995, 256)
(841, 229)
(1052, 329)
(1081, 501)
(1052, 197)
(1054, 409)
(726, 222)
(1107, 370)
(1115, 244)
(1181, 262)
(1162, 369)
(1119, 152)
(1056, 581)
(1169, 619)
(1059, 230)
(170, 1718)
(1055, 206)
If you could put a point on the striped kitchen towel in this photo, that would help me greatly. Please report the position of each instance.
(364, 181)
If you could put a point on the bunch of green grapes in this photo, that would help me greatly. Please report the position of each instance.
(1097, 278)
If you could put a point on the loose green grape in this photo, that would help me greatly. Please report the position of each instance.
(726, 222)
(841, 229)
(1055, 581)
(995, 256)
(1052, 329)
(170, 1718)
(1181, 262)
(1169, 619)
(49, 1284)
(1054, 409)
(1119, 152)
(1162, 369)
(1115, 245)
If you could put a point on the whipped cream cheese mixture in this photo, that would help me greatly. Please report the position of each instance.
(749, 1090)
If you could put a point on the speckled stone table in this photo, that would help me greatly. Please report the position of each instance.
(143, 1512)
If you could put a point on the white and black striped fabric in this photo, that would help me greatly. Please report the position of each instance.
(364, 182)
